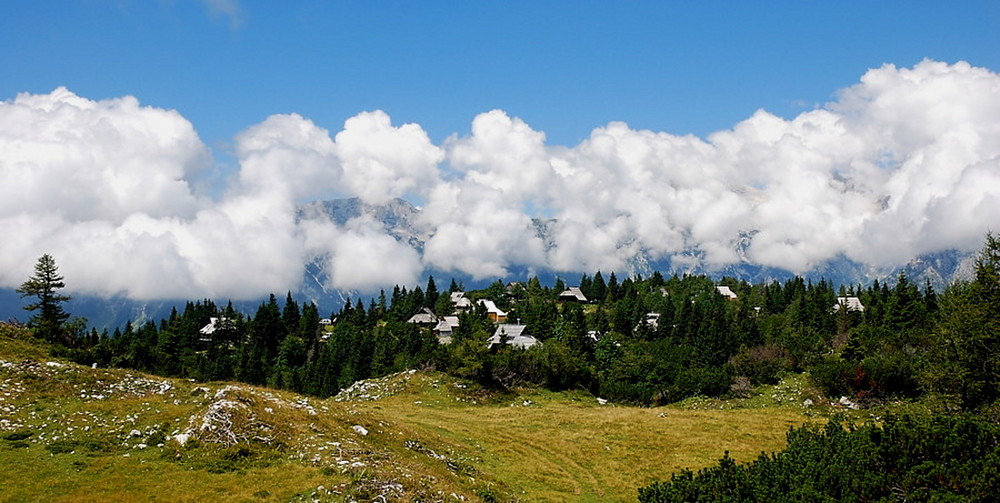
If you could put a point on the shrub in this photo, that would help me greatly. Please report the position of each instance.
(18, 435)
(884, 375)
(893, 374)
(761, 364)
(938, 458)
(836, 377)
(697, 381)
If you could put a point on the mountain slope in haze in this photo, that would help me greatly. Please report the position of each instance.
(400, 220)
(399, 217)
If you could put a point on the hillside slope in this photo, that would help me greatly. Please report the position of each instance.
(85, 434)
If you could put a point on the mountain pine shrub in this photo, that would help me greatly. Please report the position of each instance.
(909, 458)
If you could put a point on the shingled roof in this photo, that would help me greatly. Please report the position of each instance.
(573, 293)
(514, 335)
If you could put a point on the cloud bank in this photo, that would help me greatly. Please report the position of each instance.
(905, 162)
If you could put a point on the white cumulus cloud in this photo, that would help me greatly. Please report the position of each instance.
(905, 162)
(381, 162)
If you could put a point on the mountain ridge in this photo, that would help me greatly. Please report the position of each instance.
(400, 220)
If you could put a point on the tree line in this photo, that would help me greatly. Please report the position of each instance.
(638, 340)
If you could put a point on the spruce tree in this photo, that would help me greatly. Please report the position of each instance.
(431, 295)
(290, 315)
(598, 289)
(976, 335)
(613, 290)
(50, 315)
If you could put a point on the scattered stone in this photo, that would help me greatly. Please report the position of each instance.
(182, 438)
(361, 430)
(846, 402)
(375, 389)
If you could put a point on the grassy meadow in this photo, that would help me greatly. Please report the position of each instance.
(546, 446)
(71, 433)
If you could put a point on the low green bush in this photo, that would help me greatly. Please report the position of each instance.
(910, 458)
(18, 435)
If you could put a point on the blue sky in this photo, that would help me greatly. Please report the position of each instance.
(160, 148)
(563, 67)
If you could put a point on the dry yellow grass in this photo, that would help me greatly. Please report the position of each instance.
(568, 448)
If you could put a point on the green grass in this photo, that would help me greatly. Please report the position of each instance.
(81, 476)
(77, 434)
(567, 447)
(17, 343)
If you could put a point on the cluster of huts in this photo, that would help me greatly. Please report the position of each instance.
(514, 334)
(517, 335)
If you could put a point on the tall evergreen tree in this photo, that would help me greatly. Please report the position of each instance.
(431, 295)
(614, 292)
(290, 315)
(969, 342)
(309, 326)
(44, 285)
(585, 289)
(598, 288)
(930, 299)
(383, 304)
(259, 353)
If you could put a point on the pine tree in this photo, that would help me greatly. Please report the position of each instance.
(290, 315)
(259, 353)
(309, 327)
(613, 291)
(968, 342)
(559, 287)
(43, 285)
(585, 289)
(598, 289)
(383, 304)
(431, 295)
